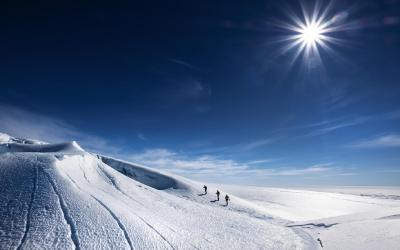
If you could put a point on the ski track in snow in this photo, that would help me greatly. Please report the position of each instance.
(315, 225)
(115, 185)
(27, 224)
(116, 220)
(119, 223)
(115, 217)
(157, 232)
(83, 171)
(65, 212)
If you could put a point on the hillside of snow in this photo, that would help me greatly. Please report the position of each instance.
(341, 218)
(58, 196)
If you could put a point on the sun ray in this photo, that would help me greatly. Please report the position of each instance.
(313, 31)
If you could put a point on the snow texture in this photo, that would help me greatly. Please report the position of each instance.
(58, 196)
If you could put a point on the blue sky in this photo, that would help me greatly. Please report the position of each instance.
(204, 90)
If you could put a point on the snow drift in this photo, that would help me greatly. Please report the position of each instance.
(144, 175)
(58, 196)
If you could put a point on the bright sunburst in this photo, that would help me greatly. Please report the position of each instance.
(311, 34)
(314, 31)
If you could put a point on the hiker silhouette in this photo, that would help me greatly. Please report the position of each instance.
(217, 193)
(205, 189)
(227, 199)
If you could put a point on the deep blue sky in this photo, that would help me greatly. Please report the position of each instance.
(202, 89)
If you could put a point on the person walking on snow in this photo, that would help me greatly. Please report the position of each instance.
(217, 194)
(205, 189)
(227, 199)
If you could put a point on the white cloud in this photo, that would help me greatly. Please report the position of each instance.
(330, 126)
(392, 115)
(304, 171)
(26, 124)
(211, 166)
(184, 63)
(141, 137)
(391, 140)
(255, 144)
(256, 162)
(171, 161)
(394, 171)
(341, 174)
(240, 147)
(193, 88)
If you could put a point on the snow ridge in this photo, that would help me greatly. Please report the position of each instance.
(28, 215)
(113, 182)
(65, 212)
(116, 220)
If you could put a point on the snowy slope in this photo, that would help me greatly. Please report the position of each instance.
(57, 196)
(341, 218)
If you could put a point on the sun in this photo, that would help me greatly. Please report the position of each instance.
(312, 32)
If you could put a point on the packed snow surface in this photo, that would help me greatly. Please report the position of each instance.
(58, 196)
(341, 217)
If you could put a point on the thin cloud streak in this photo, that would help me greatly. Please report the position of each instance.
(304, 171)
(141, 137)
(262, 161)
(332, 125)
(186, 64)
(240, 147)
(255, 144)
(211, 166)
(385, 141)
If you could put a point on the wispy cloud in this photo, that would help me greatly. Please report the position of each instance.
(185, 64)
(239, 147)
(392, 115)
(393, 171)
(174, 162)
(315, 169)
(340, 97)
(141, 137)
(26, 124)
(193, 88)
(341, 174)
(262, 161)
(211, 166)
(331, 126)
(186, 87)
(254, 144)
(390, 140)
